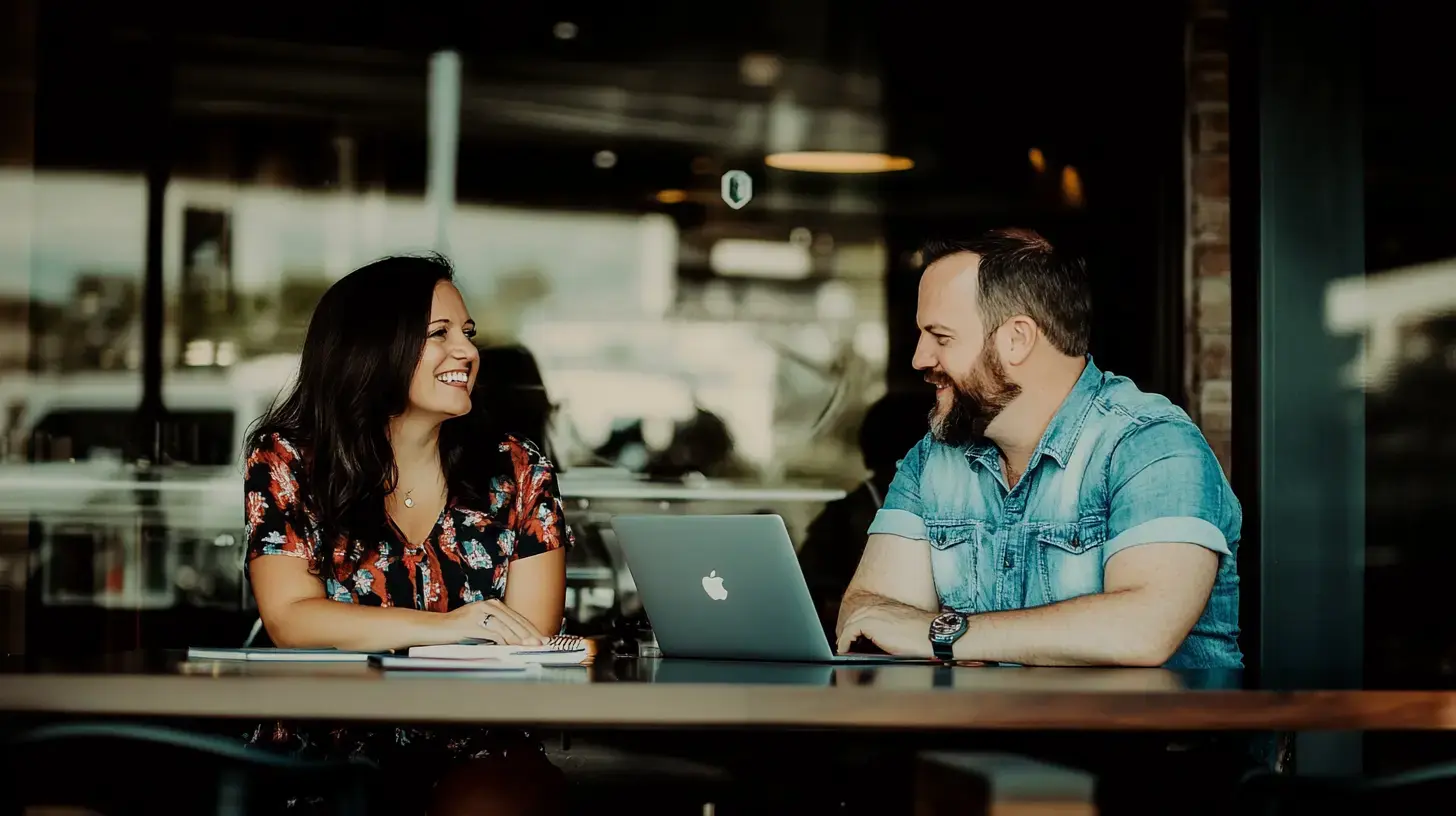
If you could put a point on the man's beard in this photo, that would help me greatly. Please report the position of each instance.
(973, 403)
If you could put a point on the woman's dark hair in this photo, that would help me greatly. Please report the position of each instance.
(359, 356)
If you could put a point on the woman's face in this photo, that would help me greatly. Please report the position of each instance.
(449, 362)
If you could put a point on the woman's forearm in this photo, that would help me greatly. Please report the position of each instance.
(321, 623)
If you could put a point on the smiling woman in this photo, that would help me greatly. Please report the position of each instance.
(381, 514)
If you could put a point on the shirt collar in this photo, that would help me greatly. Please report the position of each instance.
(1061, 433)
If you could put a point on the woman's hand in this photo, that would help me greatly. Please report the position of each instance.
(495, 621)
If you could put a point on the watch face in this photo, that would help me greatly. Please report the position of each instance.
(947, 625)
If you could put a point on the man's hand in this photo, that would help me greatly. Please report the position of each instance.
(897, 628)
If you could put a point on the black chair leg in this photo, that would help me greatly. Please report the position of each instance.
(352, 801)
(232, 793)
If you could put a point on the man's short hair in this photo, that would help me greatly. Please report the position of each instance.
(1021, 273)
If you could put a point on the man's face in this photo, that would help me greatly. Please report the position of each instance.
(958, 353)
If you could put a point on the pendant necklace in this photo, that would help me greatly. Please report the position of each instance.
(408, 502)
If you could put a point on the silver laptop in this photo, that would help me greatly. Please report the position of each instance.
(726, 587)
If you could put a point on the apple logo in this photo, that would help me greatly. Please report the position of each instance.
(713, 585)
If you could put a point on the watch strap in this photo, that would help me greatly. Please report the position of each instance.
(942, 651)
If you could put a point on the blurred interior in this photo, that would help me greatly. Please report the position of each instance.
(188, 183)
(677, 353)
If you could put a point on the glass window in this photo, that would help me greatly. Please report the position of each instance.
(1405, 311)
(689, 239)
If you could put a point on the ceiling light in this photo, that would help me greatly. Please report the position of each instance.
(834, 161)
(760, 70)
(672, 196)
(1072, 186)
(1037, 159)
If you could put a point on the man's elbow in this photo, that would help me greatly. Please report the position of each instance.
(1146, 656)
(1150, 649)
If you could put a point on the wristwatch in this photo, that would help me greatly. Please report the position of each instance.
(945, 630)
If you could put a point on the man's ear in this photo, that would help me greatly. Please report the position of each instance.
(1019, 337)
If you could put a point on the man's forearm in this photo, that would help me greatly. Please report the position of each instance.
(858, 599)
(1115, 628)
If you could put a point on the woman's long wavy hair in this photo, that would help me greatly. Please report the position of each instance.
(359, 357)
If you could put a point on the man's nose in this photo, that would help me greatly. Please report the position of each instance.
(924, 358)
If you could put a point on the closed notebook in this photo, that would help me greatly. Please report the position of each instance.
(478, 665)
(271, 655)
(562, 650)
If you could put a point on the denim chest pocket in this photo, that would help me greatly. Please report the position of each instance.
(954, 549)
(1069, 559)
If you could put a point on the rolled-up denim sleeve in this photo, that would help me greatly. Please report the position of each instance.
(900, 515)
(1167, 486)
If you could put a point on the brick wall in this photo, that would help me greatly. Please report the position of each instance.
(1207, 370)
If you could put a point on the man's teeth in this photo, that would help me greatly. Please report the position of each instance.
(453, 377)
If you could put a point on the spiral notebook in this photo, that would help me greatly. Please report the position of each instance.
(562, 650)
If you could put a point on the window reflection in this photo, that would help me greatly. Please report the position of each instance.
(1406, 311)
(675, 351)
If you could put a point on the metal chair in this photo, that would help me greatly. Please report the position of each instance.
(124, 768)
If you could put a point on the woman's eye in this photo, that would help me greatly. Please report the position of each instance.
(438, 333)
(470, 333)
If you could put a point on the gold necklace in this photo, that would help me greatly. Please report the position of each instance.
(408, 502)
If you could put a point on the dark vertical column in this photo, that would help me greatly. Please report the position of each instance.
(1298, 226)
(158, 90)
(17, 150)
(151, 529)
(902, 288)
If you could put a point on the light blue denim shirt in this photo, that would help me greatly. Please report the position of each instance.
(1116, 468)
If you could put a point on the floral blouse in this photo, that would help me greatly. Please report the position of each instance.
(465, 558)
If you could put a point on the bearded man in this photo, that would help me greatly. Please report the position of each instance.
(1055, 515)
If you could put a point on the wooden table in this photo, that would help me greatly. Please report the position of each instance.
(696, 694)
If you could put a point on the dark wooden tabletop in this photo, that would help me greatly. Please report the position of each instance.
(693, 694)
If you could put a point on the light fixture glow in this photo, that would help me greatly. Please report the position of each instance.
(672, 196)
(834, 161)
(1037, 159)
(1072, 186)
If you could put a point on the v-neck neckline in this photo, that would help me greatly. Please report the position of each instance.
(429, 536)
